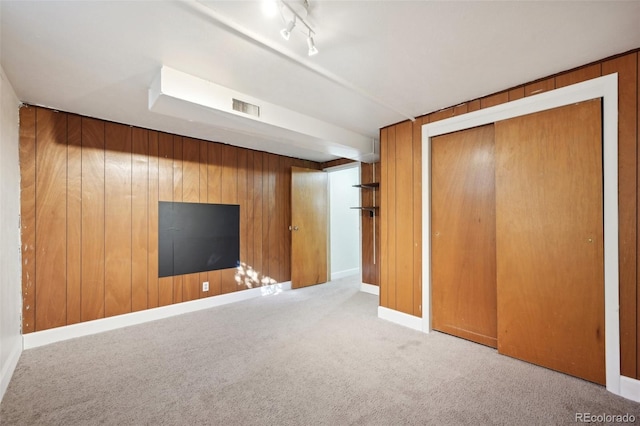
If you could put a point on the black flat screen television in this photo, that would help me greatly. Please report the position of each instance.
(196, 237)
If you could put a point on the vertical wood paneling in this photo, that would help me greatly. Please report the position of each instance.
(516, 93)
(203, 145)
(391, 218)
(442, 114)
(93, 239)
(493, 100)
(384, 221)
(417, 216)
(251, 216)
(473, 105)
(191, 194)
(28, 215)
(229, 196)
(579, 75)
(242, 201)
(214, 196)
(117, 219)
(258, 251)
(274, 243)
(74, 218)
(165, 193)
(178, 176)
(539, 86)
(637, 217)
(404, 217)
(102, 182)
(154, 163)
(51, 220)
(626, 67)
(140, 220)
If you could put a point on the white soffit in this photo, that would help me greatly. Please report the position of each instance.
(178, 94)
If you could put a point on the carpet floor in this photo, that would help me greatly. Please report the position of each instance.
(314, 356)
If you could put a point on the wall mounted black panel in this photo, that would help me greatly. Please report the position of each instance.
(195, 237)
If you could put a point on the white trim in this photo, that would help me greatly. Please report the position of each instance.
(370, 288)
(630, 388)
(9, 368)
(345, 273)
(400, 318)
(603, 87)
(45, 337)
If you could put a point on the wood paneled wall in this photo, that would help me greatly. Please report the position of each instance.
(370, 173)
(400, 152)
(89, 201)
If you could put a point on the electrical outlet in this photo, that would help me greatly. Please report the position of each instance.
(205, 286)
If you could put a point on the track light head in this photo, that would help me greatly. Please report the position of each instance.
(313, 50)
(286, 32)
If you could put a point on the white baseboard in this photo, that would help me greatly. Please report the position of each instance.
(45, 337)
(400, 318)
(369, 288)
(345, 273)
(9, 367)
(630, 388)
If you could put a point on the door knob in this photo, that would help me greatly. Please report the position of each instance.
(295, 228)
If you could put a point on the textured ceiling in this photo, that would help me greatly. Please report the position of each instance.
(380, 62)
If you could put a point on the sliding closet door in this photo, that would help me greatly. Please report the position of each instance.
(549, 228)
(463, 257)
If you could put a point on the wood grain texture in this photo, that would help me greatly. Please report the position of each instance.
(404, 218)
(385, 250)
(309, 198)
(463, 239)
(549, 229)
(516, 93)
(370, 197)
(165, 193)
(93, 193)
(272, 202)
(204, 195)
(637, 375)
(154, 163)
(417, 215)
(27, 155)
(140, 220)
(539, 86)
(99, 187)
(229, 196)
(258, 206)
(441, 115)
(579, 75)
(178, 176)
(473, 105)
(191, 194)
(74, 218)
(51, 220)
(214, 196)
(391, 219)
(493, 100)
(118, 264)
(626, 67)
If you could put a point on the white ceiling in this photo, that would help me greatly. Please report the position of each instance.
(380, 62)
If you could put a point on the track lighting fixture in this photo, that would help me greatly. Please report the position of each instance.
(293, 12)
(313, 50)
(286, 32)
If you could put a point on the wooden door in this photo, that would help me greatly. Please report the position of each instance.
(309, 211)
(463, 256)
(549, 224)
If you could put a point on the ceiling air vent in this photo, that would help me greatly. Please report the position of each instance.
(246, 107)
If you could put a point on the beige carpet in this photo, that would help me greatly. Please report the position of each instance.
(316, 356)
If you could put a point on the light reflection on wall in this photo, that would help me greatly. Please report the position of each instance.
(250, 278)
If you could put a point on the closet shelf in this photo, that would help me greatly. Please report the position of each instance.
(371, 185)
(371, 210)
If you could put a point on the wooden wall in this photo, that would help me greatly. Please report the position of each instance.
(370, 173)
(89, 201)
(401, 203)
